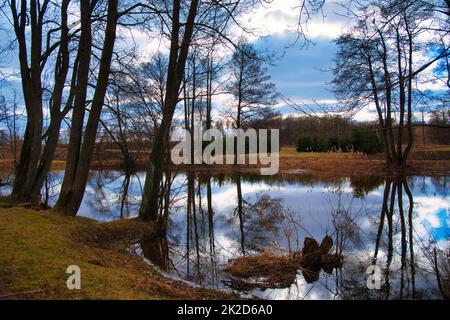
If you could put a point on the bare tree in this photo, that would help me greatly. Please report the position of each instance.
(42, 35)
(8, 118)
(133, 104)
(186, 22)
(177, 60)
(380, 63)
(253, 92)
(81, 145)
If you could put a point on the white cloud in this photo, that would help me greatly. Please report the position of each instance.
(147, 44)
(280, 18)
(368, 113)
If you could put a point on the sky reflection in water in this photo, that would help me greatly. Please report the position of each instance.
(217, 237)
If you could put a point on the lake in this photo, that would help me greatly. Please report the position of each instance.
(213, 219)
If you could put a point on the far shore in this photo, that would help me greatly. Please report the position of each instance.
(293, 162)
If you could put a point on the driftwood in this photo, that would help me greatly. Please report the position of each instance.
(315, 257)
(270, 271)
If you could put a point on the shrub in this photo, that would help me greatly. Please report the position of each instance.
(314, 144)
(344, 145)
(303, 144)
(362, 139)
(366, 140)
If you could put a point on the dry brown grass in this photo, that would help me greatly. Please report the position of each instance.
(332, 164)
(267, 270)
(262, 265)
(327, 164)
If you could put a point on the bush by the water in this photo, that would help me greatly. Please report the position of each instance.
(314, 144)
(362, 139)
(322, 144)
(366, 140)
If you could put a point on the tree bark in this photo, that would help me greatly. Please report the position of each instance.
(32, 91)
(177, 62)
(71, 200)
(76, 129)
(61, 71)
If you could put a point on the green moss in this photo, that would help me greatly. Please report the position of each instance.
(37, 247)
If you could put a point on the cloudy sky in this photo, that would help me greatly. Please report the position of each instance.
(301, 73)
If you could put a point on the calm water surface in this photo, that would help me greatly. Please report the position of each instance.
(216, 218)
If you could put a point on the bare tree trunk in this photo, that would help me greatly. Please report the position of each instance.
(177, 62)
(410, 79)
(209, 79)
(72, 199)
(33, 166)
(382, 123)
(193, 102)
(388, 85)
(55, 108)
(401, 84)
(76, 129)
(32, 91)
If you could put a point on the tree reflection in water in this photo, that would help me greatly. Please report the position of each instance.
(109, 193)
(397, 239)
(212, 219)
(254, 231)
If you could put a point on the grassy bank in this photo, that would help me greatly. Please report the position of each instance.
(37, 247)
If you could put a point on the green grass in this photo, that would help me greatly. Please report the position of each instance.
(37, 247)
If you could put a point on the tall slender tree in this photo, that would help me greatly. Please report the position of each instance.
(188, 21)
(253, 92)
(177, 61)
(81, 146)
